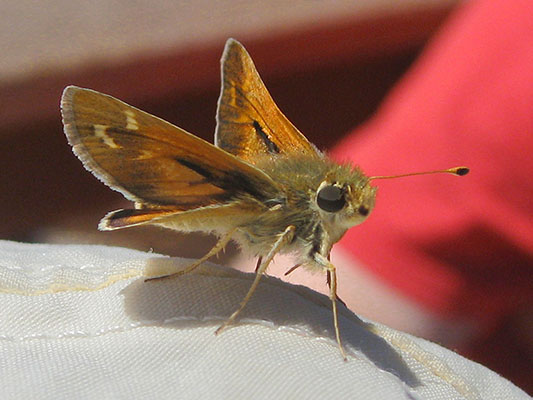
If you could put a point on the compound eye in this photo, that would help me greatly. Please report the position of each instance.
(331, 198)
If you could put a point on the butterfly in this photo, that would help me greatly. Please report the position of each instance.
(262, 184)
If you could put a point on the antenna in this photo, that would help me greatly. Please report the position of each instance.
(459, 171)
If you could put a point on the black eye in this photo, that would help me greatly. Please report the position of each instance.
(331, 198)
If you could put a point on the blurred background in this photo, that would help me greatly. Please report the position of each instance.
(326, 63)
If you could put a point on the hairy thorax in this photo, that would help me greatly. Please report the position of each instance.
(299, 178)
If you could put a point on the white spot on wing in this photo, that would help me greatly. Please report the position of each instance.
(131, 122)
(144, 155)
(100, 132)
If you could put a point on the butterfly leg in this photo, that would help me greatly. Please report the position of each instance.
(292, 269)
(332, 283)
(328, 281)
(222, 242)
(259, 261)
(285, 238)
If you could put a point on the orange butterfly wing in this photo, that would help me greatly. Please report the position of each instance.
(249, 123)
(153, 162)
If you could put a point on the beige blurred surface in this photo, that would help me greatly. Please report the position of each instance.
(57, 34)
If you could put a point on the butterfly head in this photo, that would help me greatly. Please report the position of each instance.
(343, 203)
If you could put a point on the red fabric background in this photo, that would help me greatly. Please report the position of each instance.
(463, 247)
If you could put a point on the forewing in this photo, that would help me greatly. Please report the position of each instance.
(153, 162)
(249, 123)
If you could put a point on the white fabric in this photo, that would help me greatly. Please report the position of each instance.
(79, 322)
